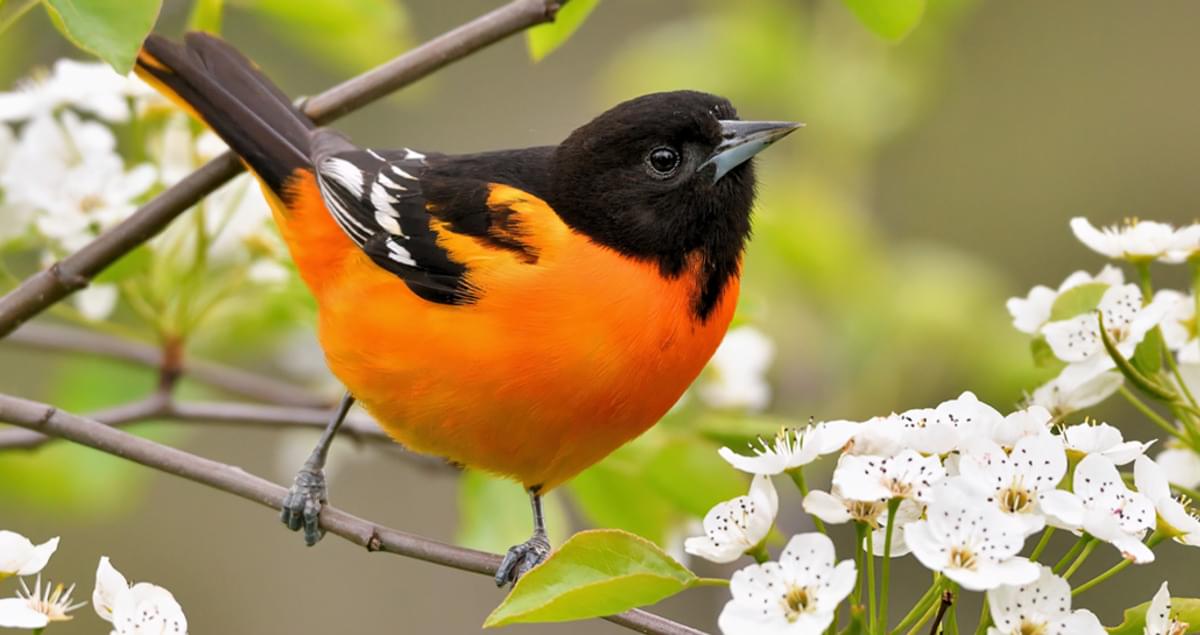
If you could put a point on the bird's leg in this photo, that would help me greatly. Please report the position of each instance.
(302, 505)
(529, 554)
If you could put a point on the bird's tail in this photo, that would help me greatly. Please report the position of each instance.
(222, 88)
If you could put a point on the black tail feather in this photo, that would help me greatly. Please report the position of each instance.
(232, 97)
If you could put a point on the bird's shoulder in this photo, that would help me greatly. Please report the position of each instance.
(435, 219)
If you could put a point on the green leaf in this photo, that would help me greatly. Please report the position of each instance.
(595, 573)
(1077, 300)
(1183, 609)
(347, 34)
(113, 31)
(1147, 357)
(544, 38)
(689, 472)
(127, 266)
(494, 513)
(889, 19)
(206, 16)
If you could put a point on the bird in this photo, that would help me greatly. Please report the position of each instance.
(522, 312)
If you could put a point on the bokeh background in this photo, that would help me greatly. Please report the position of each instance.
(935, 179)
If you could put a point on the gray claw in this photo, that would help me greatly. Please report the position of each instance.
(523, 557)
(302, 505)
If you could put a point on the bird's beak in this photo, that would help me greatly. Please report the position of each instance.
(741, 140)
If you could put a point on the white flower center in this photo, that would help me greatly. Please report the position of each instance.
(962, 558)
(1015, 498)
(796, 601)
(865, 511)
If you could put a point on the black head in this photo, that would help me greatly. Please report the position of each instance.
(665, 176)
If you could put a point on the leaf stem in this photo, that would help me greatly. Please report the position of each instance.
(921, 607)
(1071, 553)
(985, 617)
(870, 556)
(1154, 539)
(759, 552)
(1041, 545)
(1154, 417)
(711, 582)
(881, 623)
(856, 597)
(1083, 555)
(797, 474)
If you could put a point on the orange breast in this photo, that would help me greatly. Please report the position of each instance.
(556, 365)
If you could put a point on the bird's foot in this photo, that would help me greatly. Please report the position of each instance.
(523, 557)
(302, 505)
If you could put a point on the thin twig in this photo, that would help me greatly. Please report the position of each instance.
(47, 419)
(227, 378)
(159, 406)
(947, 600)
(74, 272)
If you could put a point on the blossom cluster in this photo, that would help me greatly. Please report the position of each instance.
(962, 487)
(64, 178)
(139, 609)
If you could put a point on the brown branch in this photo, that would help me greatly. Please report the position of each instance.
(947, 601)
(74, 272)
(227, 378)
(46, 419)
(161, 406)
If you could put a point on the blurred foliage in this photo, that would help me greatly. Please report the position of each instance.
(345, 36)
(71, 479)
(544, 38)
(890, 19)
(494, 513)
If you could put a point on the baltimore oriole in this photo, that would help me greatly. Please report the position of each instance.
(523, 312)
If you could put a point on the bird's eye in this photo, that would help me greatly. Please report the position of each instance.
(663, 160)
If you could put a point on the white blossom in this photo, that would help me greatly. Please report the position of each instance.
(1077, 340)
(835, 509)
(1013, 482)
(1033, 421)
(68, 170)
(1182, 466)
(1175, 517)
(91, 87)
(1179, 325)
(1102, 506)
(1086, 438)
(873, 478)
(1187, 243)
(969, 540)
(735, 526)
(1032, 312)
(1133, 240)
(1060, 400)
(1042, 606)
(19, 556)
(37, 607)
(1159, 620)
(798, 595)
(141, 609)
(739, 367)
(791, 449)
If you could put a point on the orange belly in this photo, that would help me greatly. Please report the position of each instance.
(555, 366)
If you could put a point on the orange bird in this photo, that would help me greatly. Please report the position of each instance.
(523, 312)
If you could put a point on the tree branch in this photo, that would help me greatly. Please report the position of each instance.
(47, 419)
(75, 271)
(227, 378)
(161, 406)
